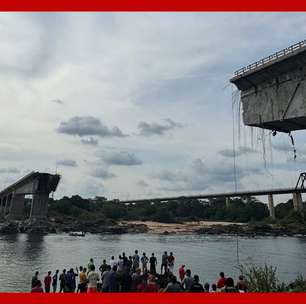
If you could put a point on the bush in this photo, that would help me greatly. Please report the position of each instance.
(262, 279)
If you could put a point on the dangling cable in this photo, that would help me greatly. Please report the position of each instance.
(293, 145)
(234, 144)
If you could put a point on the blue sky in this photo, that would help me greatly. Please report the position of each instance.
(138, 105)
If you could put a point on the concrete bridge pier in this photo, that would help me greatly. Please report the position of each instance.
(227, 202)
(7, 205)
(17, 209)
(271, 206)
(297, 201)
(39, 206)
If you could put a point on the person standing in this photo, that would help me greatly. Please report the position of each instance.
(182, 272)
(112, 262)
(164, 263)
(93, 279)
(103, 267)
(113, 280)
(144, 262)
(171, 260)
(221, 281)
(82, 280)
(37, 287)
(196, 286)
(54, 280)
(187, 282)
(90, 265)
(153, 263)
(62, 279)
(47, 282)
(135, 260)
(34, 279)
(106, 279)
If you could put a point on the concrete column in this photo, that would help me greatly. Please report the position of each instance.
(271, 206)
(17, 209)
(39, 206)
(1, 205)
(297, 201)
(6, 205)
(227, 202)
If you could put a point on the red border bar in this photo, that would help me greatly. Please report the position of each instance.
(153, 5)
(157, 298)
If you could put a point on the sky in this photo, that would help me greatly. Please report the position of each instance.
(139, 105)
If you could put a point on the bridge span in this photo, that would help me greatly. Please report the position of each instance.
(37, 184)
(296, 195)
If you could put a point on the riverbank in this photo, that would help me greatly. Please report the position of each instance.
(60, 225)
(181, 228)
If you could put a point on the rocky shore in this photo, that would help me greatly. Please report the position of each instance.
(201, 227)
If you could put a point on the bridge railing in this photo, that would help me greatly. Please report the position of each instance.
(271, 58)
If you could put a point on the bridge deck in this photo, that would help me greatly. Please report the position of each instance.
(225, 194)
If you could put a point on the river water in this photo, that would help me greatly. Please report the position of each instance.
(22, 254)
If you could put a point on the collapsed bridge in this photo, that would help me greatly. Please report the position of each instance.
(37, 184)
(273, 90)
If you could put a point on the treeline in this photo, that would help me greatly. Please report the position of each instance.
(182, 209)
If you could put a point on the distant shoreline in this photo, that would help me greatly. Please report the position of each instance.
(178, 228)
(135, 226)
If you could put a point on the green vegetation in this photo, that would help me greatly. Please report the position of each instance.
(264, 279)
(179, 210)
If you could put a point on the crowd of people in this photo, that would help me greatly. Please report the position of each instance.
(137, 273)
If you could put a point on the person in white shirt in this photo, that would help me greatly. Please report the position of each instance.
(93, 279)
(112, 262)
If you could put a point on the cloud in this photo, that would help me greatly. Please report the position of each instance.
(9, 170)
(86, 126)
(239, 152)
(142, 183)
(58, 101)
(102, 173)
(67, 163)
(149, 129)
(91, 141)
(200, 176)
(121, 159)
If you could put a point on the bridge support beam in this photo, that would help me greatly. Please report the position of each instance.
(7, 205)
(39, 207)
(271, 206)
(297, 201)
(17, 209)
(227, 202)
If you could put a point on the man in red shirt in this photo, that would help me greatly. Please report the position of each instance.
(221, 281)
(47, 282)
(182, 272)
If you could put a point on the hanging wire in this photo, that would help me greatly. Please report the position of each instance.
(237, 248)
(233, 140)
(293, 146)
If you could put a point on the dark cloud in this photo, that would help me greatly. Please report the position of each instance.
(91, 141)
(9, 170)
(239, 152)
(121, 159)
(86, 126)
(148, 129)
(58, 101)
(142, 183)
(102, 173)
(67, 163)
